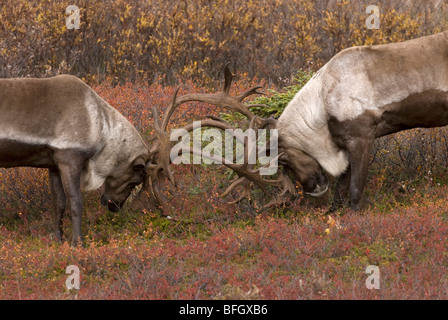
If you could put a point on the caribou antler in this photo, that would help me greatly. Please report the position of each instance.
(248, 175)
(222, 99)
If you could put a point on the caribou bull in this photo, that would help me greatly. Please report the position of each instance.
(361, 94)
(61, 124)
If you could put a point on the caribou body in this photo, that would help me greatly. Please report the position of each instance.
(361, 94)
(61, 124)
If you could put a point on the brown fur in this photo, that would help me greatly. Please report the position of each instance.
(61, 124)
(361, 94)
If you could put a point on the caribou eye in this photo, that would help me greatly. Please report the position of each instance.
(139, 167)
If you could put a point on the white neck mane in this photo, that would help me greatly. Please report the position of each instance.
(303, 125)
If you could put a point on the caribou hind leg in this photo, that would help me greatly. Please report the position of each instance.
(59, 201)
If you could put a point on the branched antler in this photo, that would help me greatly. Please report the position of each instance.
(248, 174)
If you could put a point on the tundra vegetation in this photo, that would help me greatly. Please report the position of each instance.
(134, 54)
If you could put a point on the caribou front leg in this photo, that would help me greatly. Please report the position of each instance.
(59, 201)
(341, 190)
(70, 164)
(359, 152)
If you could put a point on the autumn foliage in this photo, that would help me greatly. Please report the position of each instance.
(171, 39)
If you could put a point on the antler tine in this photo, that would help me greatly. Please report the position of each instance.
(155, 115)
(170, 110)
(161, 146)
(155, 187)
(287, 187)
(228, 77)
(244, 183)
(248, 93)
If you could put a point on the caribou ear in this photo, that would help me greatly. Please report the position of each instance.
(139, 164)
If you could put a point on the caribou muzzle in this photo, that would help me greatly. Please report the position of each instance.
(319, 185)
(319, 191)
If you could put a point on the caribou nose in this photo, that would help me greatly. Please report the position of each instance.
(110, 204)
(104, 200)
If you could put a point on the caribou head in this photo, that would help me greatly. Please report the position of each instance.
(117, 188)
(307, 170)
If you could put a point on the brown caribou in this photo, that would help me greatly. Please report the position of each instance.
(361, 94)
(61, 124)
